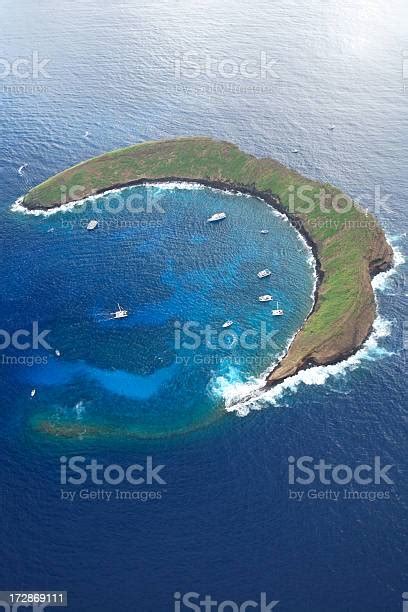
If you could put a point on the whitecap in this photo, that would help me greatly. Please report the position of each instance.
(18, 205)
(381, 281)
(243, 397)
(316, 375)
(171, 185)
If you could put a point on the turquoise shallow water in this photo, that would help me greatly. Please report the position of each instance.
(169, 366)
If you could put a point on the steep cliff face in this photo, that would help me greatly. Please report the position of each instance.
(350, 330)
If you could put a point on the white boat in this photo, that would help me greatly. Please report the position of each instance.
(228, 324)
(295, 150)
(277, 312)
(22, 168)
(120, 313)
(265, 298)
(264, 231)
(58, 353)
(217, 217)
(331, 127)
(92, 224)
(33, 392)
(264, 273)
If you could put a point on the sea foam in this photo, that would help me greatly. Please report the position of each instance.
(18, 205)
(243, 396)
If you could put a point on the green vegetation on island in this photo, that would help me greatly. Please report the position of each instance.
(348, 243)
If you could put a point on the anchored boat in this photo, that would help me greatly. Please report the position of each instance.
(277, 312)
(217, 217)
(120, 313)
(264, 273)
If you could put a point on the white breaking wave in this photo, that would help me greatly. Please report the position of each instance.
(243, 396)
(168, 185)
(318, 375)
(380, 281)
(19, 207)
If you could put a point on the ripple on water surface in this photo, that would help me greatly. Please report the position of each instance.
(165, 368)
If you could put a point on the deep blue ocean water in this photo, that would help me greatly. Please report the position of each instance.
(224, 524)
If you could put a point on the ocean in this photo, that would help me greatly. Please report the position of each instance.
(234, 508)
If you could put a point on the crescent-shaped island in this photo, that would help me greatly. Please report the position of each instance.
(348, 243)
